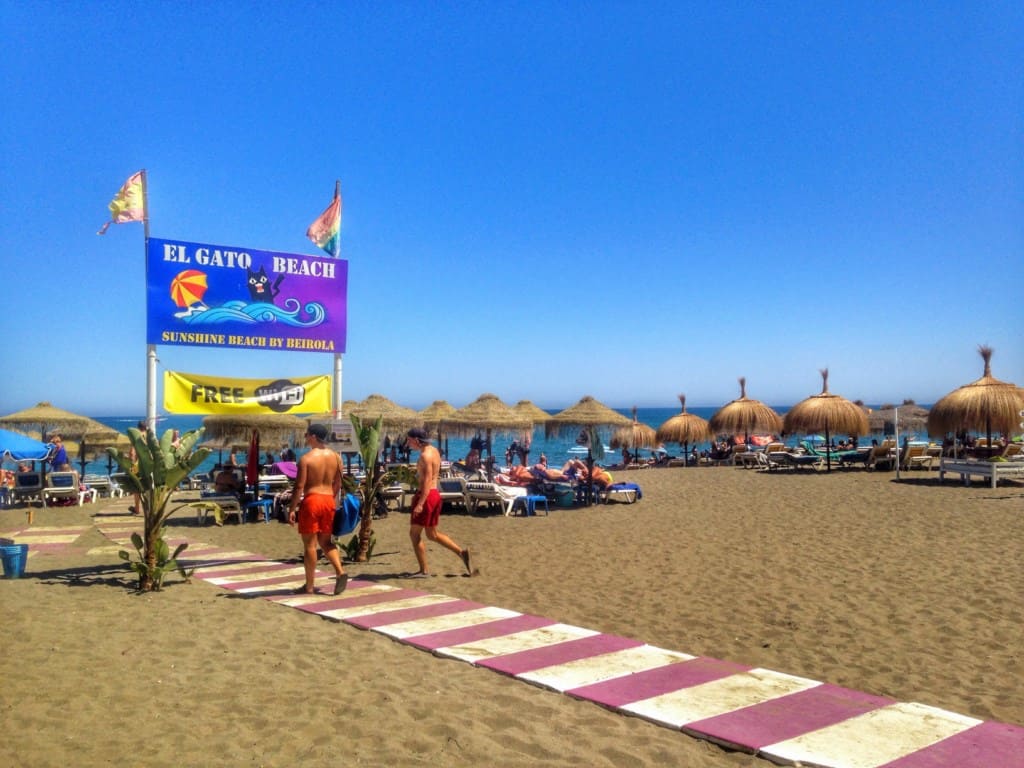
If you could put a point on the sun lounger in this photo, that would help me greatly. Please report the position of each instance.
(453, 491)
(882, 456)
(492, 493)
(625, 492)
(994, 471)
(801, 460)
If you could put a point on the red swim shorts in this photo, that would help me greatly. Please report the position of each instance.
(316, 513)
(430, 515)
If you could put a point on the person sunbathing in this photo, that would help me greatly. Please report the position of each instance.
(601, 477)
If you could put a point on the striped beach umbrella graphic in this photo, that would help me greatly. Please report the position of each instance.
(188, 287)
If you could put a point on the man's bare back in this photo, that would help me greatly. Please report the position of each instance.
(428, 467)
(319, 472)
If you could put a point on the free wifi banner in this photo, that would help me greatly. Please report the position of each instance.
(195, 393)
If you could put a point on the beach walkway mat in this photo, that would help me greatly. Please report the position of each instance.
(784, 718)
(53, 539)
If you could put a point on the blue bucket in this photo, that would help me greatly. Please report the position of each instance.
(14, 557)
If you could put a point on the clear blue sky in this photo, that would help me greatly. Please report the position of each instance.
(629, 200)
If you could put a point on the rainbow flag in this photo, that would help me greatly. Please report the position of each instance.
(129, 202)
(325, 231)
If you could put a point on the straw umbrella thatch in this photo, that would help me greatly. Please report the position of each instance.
(534, 413)
(95, 443)
(589, 413)
(684, 428)
(487, 412)
(745, 415)
(395, 417)
(827, 413)
(912, 417)
(276, 428)
(635, 436)
(433, 418)
(988, 405)
(50, 420)
(437, 412)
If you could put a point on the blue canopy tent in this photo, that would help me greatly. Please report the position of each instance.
(19, 447)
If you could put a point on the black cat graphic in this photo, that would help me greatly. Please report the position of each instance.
(260, 288)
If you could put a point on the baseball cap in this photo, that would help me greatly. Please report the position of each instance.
(418, 434)
(319, 431)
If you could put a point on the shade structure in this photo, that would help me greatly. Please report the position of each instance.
(912, 418)
(684, 428)
(987, 405)
(588, 413)
(489, 413)
(433, 417)
(534, 413)
(236, 430)
(435, 413)
(96, 443)
(745, 415)
(19, 447)
(394, 417)
(828, 413)
(635, 436)
(50, 420)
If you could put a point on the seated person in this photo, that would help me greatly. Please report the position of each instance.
(472, 461)
(226, 481)
(720, 451)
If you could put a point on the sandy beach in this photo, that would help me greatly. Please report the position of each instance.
(911, 590)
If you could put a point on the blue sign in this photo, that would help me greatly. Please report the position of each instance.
(226, 296)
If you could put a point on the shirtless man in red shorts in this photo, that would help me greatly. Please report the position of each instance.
(317, 485)
(426, 505)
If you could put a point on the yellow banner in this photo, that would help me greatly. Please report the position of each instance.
(195, 393)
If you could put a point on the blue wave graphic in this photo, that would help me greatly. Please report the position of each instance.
(261, 312)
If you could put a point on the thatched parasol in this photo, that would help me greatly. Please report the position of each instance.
(395, 417)
(827, 413)
(237, 429)
(534, 413)
(684, 428)
(635, 436)
(490, 413)
(913, 418)
(49, 421)
(988, 405)
(746, 416)
(433, 417)
(99, 442)
(437, 412)
(588, 412)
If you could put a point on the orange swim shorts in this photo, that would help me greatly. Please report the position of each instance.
(316, 513)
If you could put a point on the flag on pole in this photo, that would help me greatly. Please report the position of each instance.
(128, 204)
(325, 231)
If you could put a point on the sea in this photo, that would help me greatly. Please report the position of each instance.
(558, 449)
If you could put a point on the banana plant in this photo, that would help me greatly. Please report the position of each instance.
(369, 447)
(155, 471)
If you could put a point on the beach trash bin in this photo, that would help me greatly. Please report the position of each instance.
(14, 557)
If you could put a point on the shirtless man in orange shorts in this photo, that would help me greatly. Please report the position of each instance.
(317, 485)
(426, 505)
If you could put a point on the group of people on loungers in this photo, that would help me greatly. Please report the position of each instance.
(573, 469)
